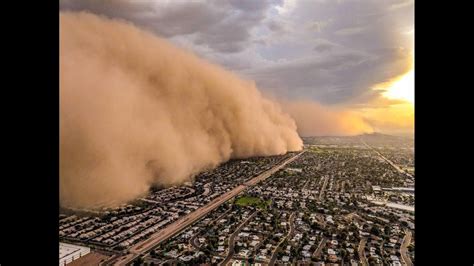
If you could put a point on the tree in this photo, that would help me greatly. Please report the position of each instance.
(138, 261)
(343, 254)
(314, 226)
(375, 231)
(343, 235)
(251, 260)
(387, 230)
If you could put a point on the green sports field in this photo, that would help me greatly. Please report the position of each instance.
(252, 201)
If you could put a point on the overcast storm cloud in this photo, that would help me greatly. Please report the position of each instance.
(365, 41)
(136, 111)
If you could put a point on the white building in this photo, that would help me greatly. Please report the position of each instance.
(68, 253)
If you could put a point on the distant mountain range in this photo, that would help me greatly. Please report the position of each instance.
(375, 135)
(377, 139)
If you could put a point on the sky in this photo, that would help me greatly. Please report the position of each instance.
(351, 54)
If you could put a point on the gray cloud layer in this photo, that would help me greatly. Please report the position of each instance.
(223, 26)
(338, 49)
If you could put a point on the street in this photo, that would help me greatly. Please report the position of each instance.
(170, 230)
(361, 250)
(230, 251)
(403, 248)
(290, 232)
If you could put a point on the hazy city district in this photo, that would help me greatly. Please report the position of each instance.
(340, 201)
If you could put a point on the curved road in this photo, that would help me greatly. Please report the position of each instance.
(290, 232)
(361, 250)
(230, 251)
(403, 248)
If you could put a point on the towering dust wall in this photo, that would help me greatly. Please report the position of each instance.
(137, 111)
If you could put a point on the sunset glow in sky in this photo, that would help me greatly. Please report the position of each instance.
(402, 89)
(356, 55)
(397, 114)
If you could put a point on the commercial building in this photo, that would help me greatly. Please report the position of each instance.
(68, 253)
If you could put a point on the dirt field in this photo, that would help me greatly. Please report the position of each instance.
(92, 258)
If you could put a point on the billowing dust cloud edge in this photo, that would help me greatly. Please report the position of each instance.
(316, 119)
(136, 111)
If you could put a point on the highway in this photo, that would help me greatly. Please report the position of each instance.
(146, 245)
(387, 160)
